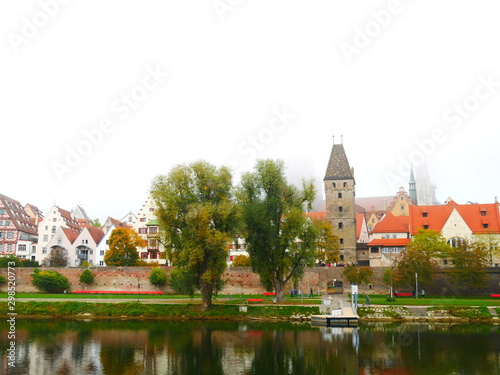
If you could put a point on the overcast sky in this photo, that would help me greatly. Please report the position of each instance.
(99, 97)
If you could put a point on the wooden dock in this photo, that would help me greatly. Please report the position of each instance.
(343, 316)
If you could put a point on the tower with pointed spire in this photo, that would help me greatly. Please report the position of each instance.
(413, 188)
(340, 208)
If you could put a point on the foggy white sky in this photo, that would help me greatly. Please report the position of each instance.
(157, 83)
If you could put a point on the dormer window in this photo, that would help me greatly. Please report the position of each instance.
(424, 214)
(483, 212)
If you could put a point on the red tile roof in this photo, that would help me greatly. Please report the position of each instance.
(70, 222)
(388, 242)
(70, 234)
(96, 233)
(360, 218)
(317, 215)
(392, 224)
(434, 217)
(472, 215)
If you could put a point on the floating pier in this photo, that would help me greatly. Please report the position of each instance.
(341, 316)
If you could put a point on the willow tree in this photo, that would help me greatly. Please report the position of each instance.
(198, 218)
(280, 238)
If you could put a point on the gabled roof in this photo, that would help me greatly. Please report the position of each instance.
(96, 233)
(392, 224)
(360, 219)
(118, 224)
(69, 220)
(475, 219)
(430, 217)
(388, 242)
(375, 203)
(70, 234)
(17, 215)
(338, 166)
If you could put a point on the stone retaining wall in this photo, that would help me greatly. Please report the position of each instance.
(239, 280)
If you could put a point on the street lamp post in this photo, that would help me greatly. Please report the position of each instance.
(138, 288)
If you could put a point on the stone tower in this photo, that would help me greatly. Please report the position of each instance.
(340, 210)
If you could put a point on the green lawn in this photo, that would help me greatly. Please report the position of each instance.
(432, 301)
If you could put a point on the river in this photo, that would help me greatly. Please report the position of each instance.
(165, 347)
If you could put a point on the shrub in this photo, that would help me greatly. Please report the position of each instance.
(29, 263)
(158, 277)
(4, 261)
(241, 261)
(49, 281)
(2, 279)
(86, 277)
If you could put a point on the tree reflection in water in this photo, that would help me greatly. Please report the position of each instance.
(166, 347)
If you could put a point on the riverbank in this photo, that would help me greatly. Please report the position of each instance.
(189, 311)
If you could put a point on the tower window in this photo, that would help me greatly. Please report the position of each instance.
(334, 185)
(340, 195)
(341, 241)
(341, 225)
(341, 209)
(345, 184)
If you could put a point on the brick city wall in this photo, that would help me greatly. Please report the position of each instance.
(238, 280)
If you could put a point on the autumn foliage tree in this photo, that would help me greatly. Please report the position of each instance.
(358, 275)
(123, 244)
(280, 239)
(198, 218)
(469, 260)
(241, 261)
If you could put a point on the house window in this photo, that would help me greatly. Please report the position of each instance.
(101, 253)
(10, 234)
(2, 211)
(394, 236)
(340, 195)
(21, 247)
(1, 223)
(445, 262)
(386, 250)
(54, 219)
(153, 230)
(345, 184)
(59, 242)
(9, 247)
(341, 225)
(402, 207)
(7, 223)
(426, 226)
(143, 230)
(396, 250)
(143, 219)
(455, 242)
(45, 238)
(44, 250)
(101, 263)
(151, 209)
(374, 250)
(2, 234)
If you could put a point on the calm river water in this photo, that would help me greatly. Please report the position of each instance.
(159, 347)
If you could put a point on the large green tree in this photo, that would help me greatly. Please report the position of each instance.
(123, 244)
(280, 239)
(469, 260)
(419, 257)
(198, 218)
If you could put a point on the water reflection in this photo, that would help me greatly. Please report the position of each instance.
(157, 347)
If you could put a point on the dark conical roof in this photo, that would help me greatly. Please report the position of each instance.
(338, 166)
